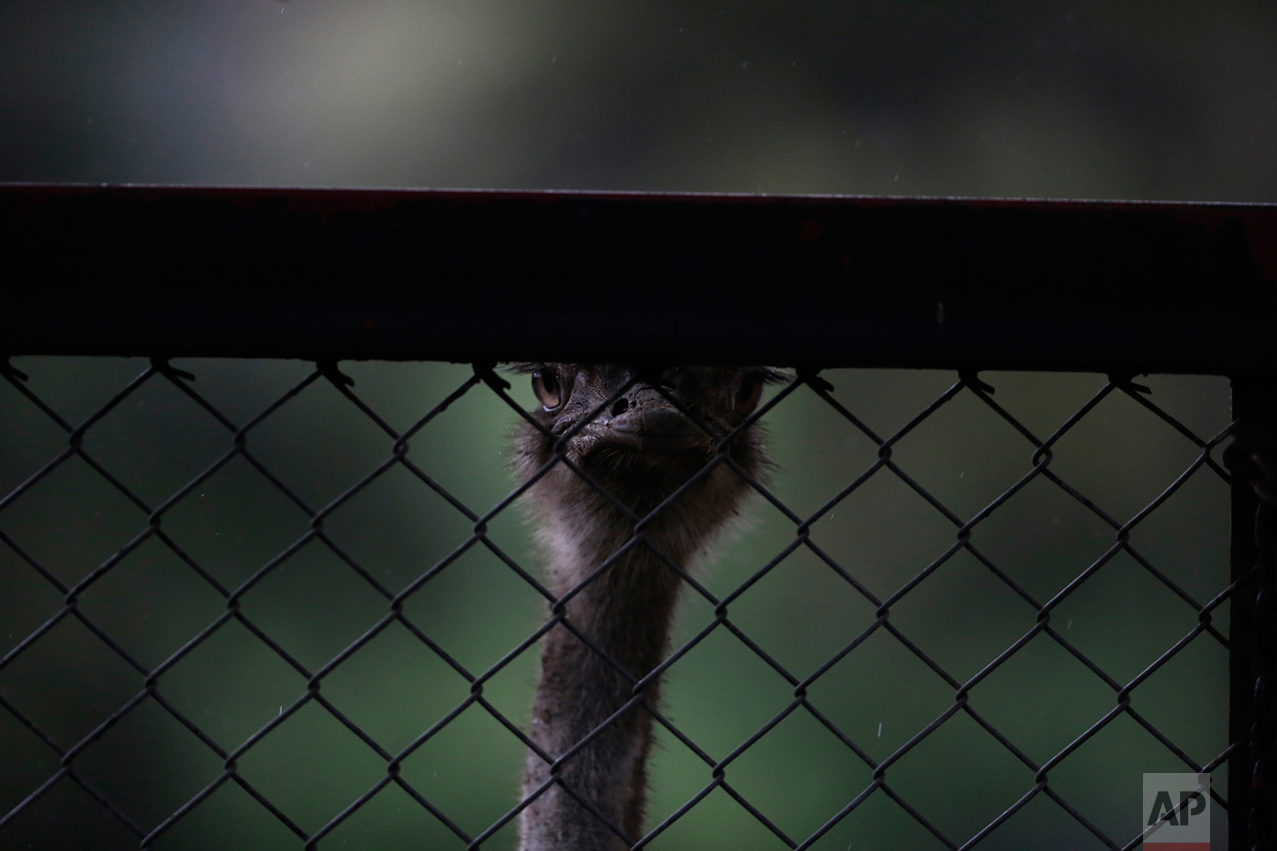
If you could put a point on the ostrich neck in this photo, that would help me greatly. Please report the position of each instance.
(623, 614)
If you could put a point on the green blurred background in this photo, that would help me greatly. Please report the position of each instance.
(1171, 100)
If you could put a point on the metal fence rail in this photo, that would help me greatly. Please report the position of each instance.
(492, 276)
(484, 277)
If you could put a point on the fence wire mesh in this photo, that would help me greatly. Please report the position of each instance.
(248, 612)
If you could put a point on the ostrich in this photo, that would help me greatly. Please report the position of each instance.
(630, 432)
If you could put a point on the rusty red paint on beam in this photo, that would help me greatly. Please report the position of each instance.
(484, 275)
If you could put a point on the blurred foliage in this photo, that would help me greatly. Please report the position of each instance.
(1064, 98)
(312, 604)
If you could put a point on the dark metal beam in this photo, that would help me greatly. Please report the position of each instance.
(478, 275)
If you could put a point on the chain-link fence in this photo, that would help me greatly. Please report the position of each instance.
(295, 604)
(168, 638)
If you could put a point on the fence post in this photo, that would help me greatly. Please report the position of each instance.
(1252, 776)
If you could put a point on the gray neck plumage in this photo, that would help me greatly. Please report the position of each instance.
(612, 633)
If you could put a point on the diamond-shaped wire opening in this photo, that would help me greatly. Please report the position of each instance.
(29, 759)
(879, 695)
(1015, 696)
(393, 818)
(837, 612)
(30, 437)
(1091, 779)
(312, 604)
(67, 681)
(311, 767)
(719, 820)
(938, 453)
(219, 523)
(316, 424)
(805, 433)
(1041, 816)
(718, 671)
(799, 775)
(150, 764)
(29, 600)
(476, 585)
(240, 687)
(455, 768)
(394, 711)
(1043, 538)
(1124, 451)
(947, 758)
(1193, 718)
(151, 603)
(1122, 618)
(397, 528)
(1041, 413)
(74, 388)
(156, 440)
(963, 615)
(1188, 531)
(231, 684)
(877, 815)
(446, 446)
(239, 389)
(230, 817)
(71, 521)
(76, 817)
(850, 534)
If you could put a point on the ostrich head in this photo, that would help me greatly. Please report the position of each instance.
(641, 434)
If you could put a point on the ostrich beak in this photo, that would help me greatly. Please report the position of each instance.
(658, 428)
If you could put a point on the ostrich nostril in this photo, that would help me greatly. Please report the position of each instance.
(620, 407)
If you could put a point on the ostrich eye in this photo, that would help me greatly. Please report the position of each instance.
(549, 392)
(747, 396)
